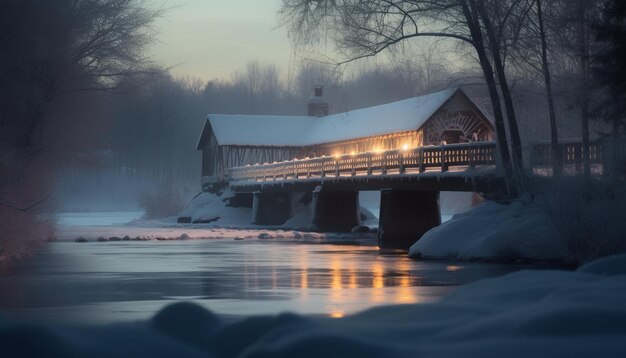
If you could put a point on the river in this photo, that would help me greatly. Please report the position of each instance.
(102, 282)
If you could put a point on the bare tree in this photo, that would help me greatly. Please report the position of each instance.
(530, 53)
(54, 56)
(557, 159)
(366, 28)
(572, 28)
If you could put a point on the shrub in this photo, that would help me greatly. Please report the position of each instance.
(165, 201)
(589, 215)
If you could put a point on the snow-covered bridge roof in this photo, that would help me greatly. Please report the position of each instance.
(287, 131)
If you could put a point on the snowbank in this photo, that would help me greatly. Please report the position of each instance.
(518, 230)
(214, 208)
(524, 314)
(568, 220)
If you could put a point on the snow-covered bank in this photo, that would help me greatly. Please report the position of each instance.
(221, 210)
(566, 220)
(524, 314)
(198, 232)
(213, 217)
(213, 208)
(518, 230)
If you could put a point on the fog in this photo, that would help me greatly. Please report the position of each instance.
(91, 122)
(150, 129)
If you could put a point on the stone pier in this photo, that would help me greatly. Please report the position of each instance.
(335, 210)
(405, 215)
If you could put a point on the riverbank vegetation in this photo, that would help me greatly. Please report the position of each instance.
(565, 221)
(58, 59)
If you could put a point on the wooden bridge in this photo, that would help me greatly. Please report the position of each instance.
(409, 180)
(454, 167)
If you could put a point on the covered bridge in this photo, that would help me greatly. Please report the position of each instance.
(229, 141)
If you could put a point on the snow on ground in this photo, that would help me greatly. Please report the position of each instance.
(517, 230)
(98, 218)
(216, 209)
(234, 223)
(200, 231)
(208, 206)
(524, 314)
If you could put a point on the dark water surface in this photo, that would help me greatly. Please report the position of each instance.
(112, 281)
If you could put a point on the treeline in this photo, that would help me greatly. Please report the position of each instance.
(557, 46)
(155, 120)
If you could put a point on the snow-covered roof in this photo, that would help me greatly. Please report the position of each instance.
(286, 131)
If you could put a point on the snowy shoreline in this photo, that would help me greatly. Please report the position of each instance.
(527, 313)
(516, 231)
(564, 222)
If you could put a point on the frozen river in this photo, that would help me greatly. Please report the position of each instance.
(128, 280)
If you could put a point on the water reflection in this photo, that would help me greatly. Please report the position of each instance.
(128, 280)
(345, 278)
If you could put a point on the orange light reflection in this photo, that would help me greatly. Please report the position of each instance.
(353, 286)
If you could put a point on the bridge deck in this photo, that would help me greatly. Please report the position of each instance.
(479, 180)
(455, 167)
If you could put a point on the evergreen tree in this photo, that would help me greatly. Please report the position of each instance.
(610, 72)
(610, 61)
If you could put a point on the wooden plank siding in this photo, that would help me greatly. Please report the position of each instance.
(458, 113)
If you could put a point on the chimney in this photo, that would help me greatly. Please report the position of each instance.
(318, 107)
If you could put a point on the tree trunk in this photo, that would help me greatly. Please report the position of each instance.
(498, 64)
(502, 141)
(584, 90)
(557, 158)
(617, 157)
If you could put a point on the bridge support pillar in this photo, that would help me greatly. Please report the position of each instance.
(405, 215)
(271, 208)
(335, 210)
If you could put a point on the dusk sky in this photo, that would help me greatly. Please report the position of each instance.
(212, 38)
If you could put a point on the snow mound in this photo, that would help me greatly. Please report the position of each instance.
(517, 230)
(301, 219)
(524, 314)
(611, 266)
(214, 208)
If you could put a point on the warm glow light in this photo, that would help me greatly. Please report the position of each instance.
(378, 284)
(377, 281)
(336, 274)
(337, 314)
(352, 153)
(405, 146)
(378, 150)
(454, 268)
(337, 156)
(352, 283)
(304, 269)
(404, 291)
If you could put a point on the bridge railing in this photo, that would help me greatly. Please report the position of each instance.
(397, 161)
(571, 153)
